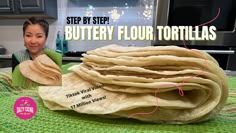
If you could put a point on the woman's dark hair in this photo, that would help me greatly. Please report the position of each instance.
(33, 20)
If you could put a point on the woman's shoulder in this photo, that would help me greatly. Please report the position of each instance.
(51, 51)
(20, 52)
(56, 57)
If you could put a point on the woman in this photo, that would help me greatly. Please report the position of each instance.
(35, 33)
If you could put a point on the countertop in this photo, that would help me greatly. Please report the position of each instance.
(5, 56)
(67, 58)
(64, 58)
(230, 73)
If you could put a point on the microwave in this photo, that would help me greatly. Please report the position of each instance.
(194, 13)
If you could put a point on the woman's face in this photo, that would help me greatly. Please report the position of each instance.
(34, 38)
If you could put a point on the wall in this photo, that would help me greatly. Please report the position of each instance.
(120, 13)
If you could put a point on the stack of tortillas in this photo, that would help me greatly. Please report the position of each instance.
(41, 70)
(163, 84)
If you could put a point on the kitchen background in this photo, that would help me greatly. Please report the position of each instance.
(122, 12)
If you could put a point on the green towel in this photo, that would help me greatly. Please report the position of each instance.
(48, 121)
(56, 57)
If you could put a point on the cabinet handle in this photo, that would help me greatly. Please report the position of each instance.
(11, 5)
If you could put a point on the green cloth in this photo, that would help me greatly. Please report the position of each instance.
(20, 80)
(47, 121)
(65, 67)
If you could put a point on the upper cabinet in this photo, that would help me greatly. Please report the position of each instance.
(7, 6)
(31, 6)
(26, 8)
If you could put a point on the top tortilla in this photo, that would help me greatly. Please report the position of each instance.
(41, 70)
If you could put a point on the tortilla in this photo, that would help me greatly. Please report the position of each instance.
(37, 71)
(55, 97)
(169, 84)
(116, 50)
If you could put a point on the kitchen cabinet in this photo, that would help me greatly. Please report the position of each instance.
(26, 8)
(6, 6)
(31, 6)
(5, 61)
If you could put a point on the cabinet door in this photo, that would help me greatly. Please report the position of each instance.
(7, 6)
(31, 6)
